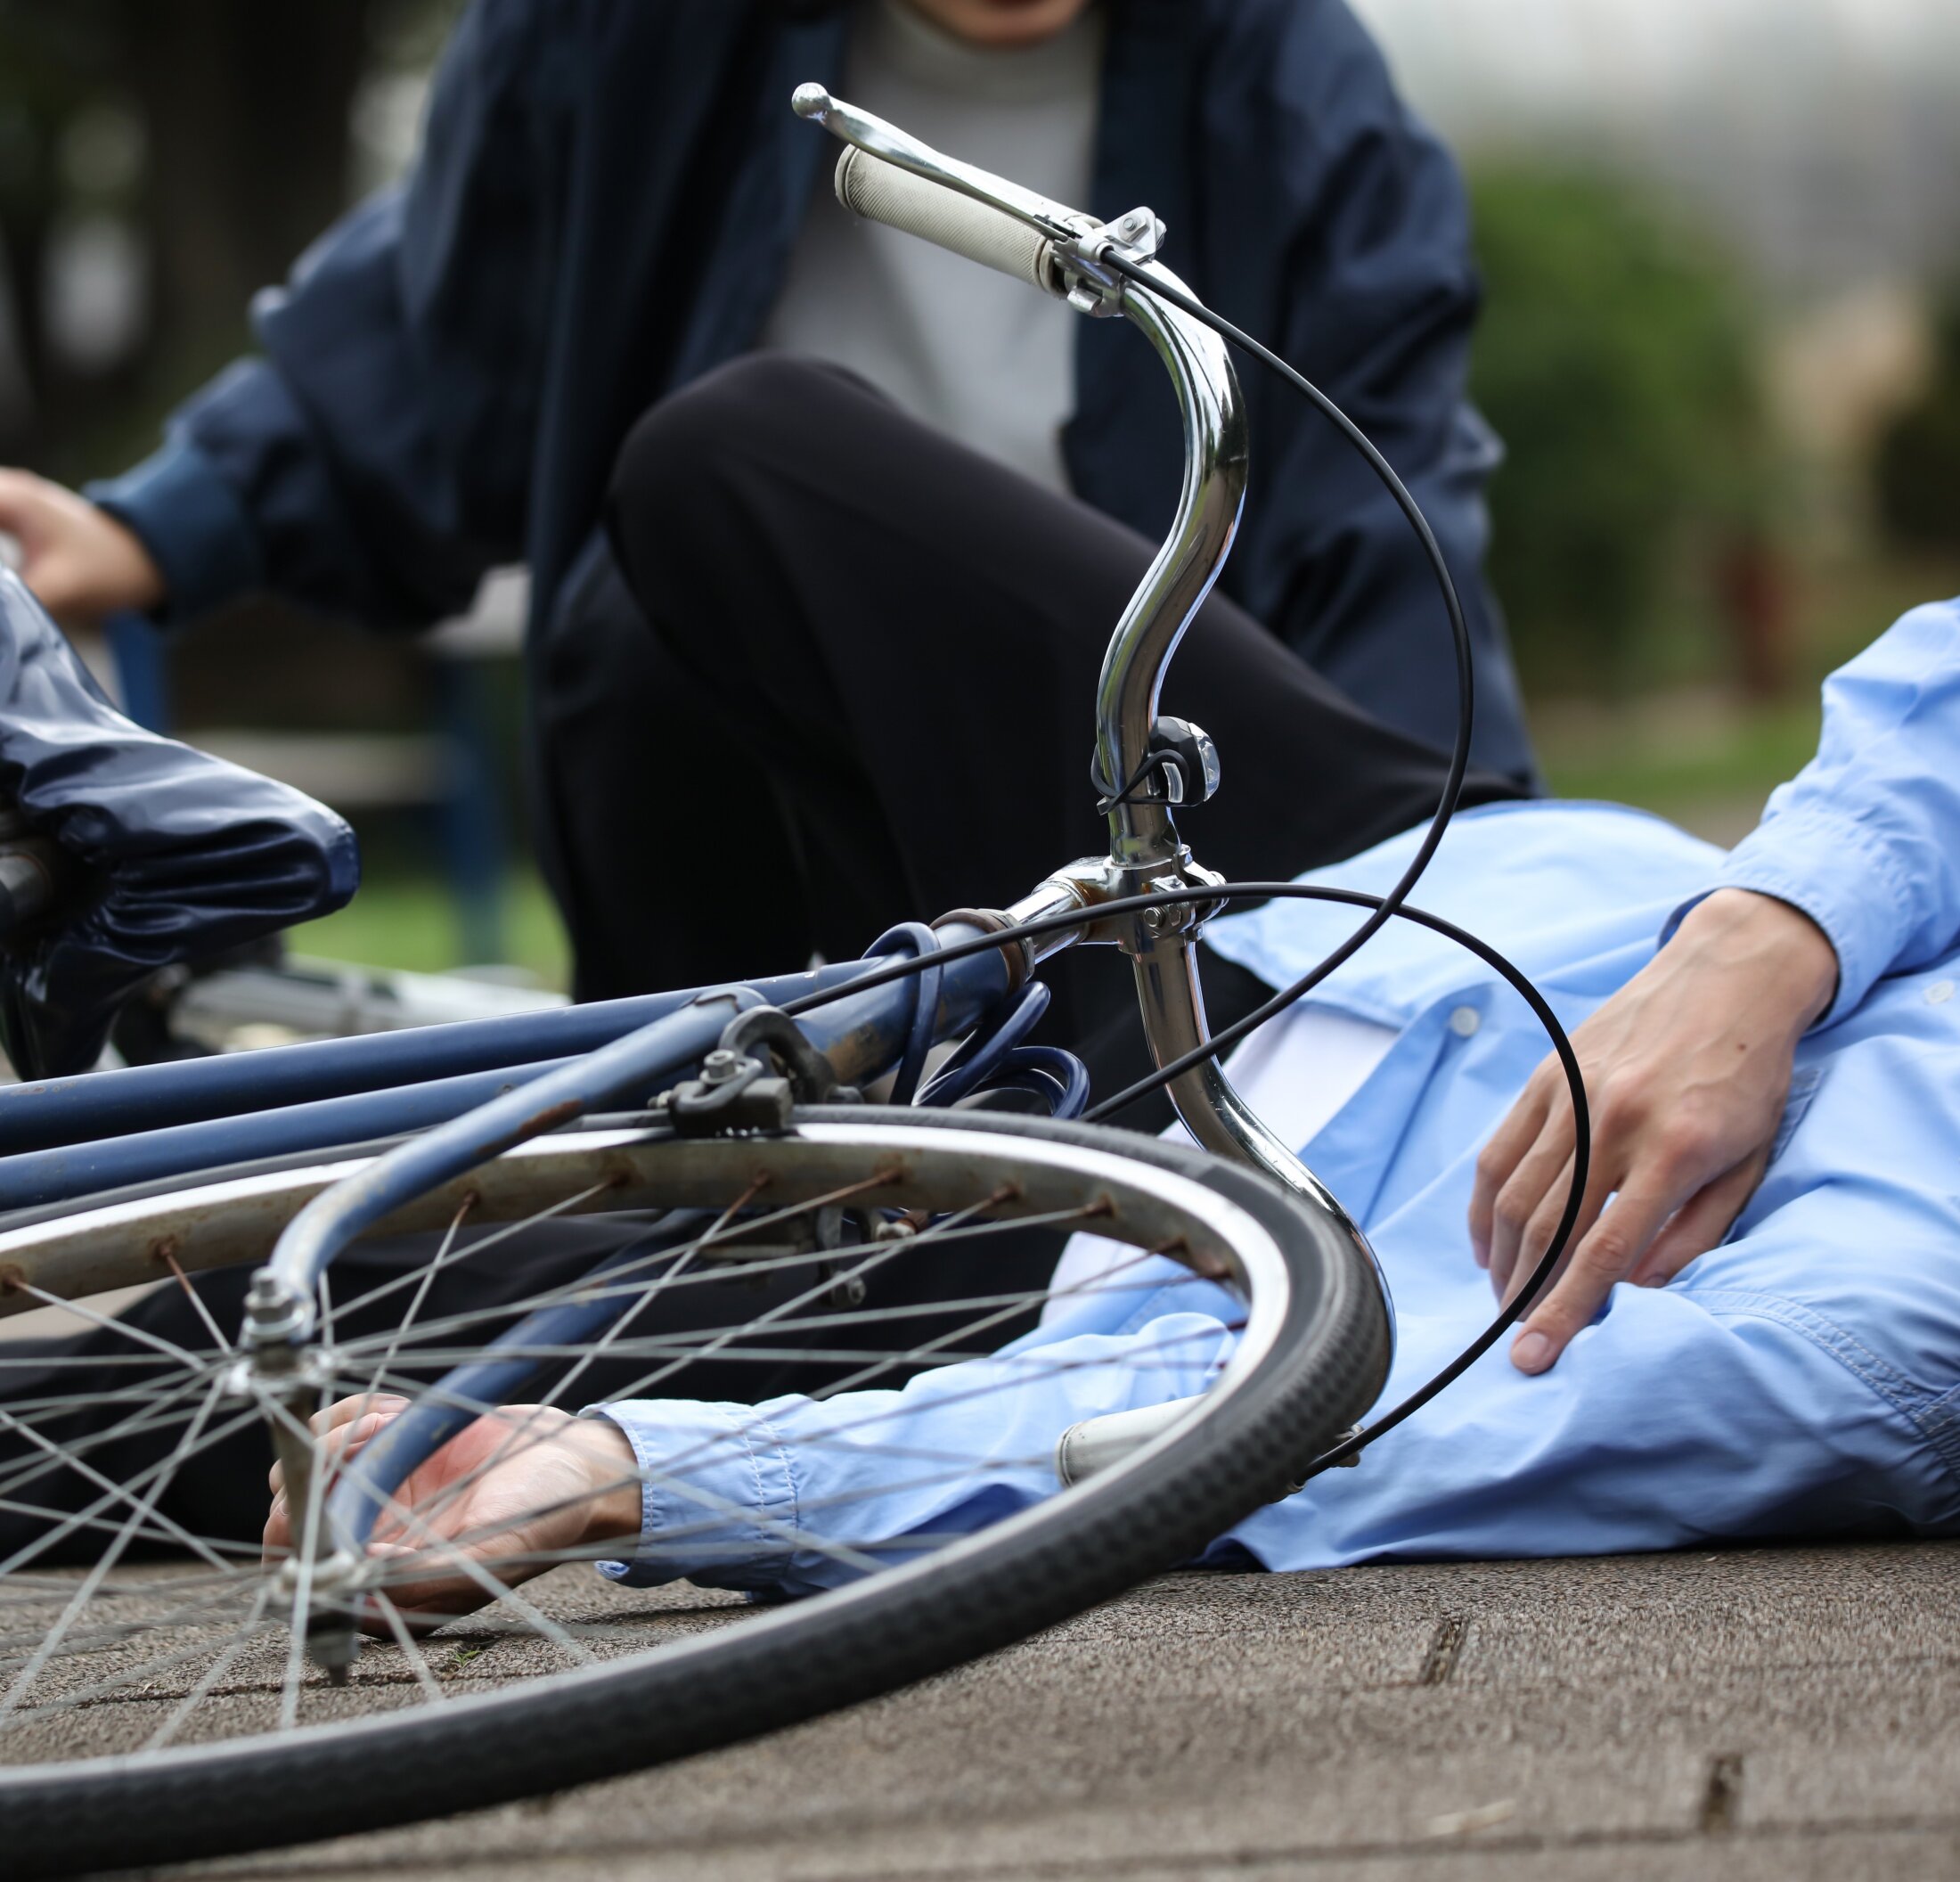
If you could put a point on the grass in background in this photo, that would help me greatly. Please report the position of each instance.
(407, 920)
(1701, 755)
(1702, 761)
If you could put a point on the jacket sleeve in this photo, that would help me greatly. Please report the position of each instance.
(1866, 839)
(1375, 295)
(373, 459)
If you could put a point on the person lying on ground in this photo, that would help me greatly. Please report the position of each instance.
(1756, 1335)
(787, 629)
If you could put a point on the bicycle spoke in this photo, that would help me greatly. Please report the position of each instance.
(110, 1556)
(218, 1340)
(220, 1665)
(162, 1640)
(581, 1288)
(395, 1283)
(114, 1493)
(438, 1263)
(121, 1680)
(306, 1536)
(195, 1361)
(411, 1651)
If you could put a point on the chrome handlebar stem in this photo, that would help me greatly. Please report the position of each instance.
(1145, 849)
(1141, 830)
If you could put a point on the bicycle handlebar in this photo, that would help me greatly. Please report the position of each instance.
(889, 176)
(886, 142)
(893, 177)
(881, 191)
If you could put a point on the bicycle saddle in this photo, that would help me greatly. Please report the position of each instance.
(152, 852)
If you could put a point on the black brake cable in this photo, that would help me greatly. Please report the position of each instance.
(1383, 908)
(1459, 755)
(1561, 1047)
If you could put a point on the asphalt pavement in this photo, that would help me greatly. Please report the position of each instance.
(1775, 1714)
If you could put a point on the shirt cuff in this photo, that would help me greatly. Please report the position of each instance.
(193, 524)
(1832, 870)
(718, 1497)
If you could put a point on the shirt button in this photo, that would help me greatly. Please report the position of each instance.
(1940, 992)
(1466, 1019)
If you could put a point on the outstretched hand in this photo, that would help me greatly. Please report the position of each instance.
(1688, 1070)
(513, 1494)
(81, 563)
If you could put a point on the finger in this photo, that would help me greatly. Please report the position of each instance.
(1699, 1224)
(1538, 1232)
(425, 1584)
(337, 1426)
(356, 1404)
(1499, 1158)
(1536, 1177)
(1607, 1254)
(337, 1447)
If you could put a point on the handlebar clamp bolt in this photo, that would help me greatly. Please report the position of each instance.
(721, 1065)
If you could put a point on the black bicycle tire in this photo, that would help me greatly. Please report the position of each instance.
(1327, 1365)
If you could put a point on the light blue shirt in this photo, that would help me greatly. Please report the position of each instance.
(1803, 1379)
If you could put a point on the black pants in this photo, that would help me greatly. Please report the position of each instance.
(867, 696)
(849, 682)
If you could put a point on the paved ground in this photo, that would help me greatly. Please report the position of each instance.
(1763, 1714)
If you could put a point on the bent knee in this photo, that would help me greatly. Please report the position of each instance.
(740, 408)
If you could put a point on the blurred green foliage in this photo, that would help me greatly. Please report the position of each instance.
(405, 917)
(1917, 469)
(1617, 360)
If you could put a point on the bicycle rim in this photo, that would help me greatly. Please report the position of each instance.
(163, 1708)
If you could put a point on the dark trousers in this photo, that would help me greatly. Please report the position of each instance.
(868, 696)
(848, 680)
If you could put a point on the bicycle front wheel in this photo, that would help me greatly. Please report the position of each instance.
(157, 1702)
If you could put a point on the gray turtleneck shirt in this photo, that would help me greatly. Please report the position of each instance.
(975, 354)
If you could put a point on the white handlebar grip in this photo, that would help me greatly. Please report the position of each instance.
(881, 191)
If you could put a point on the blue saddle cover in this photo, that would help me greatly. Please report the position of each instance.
(178, 854)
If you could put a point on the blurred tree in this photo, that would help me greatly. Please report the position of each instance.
(233, 119)
(1917, 469)
(53, 63)
(1616, 360)
(246, 109)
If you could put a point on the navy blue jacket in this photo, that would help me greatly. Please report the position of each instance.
(603, 208)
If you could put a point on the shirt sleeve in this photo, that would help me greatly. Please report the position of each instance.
(373, 459)
(799, 1494)
(1866, 839)
(1679, 1418)
(1785, 1429)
